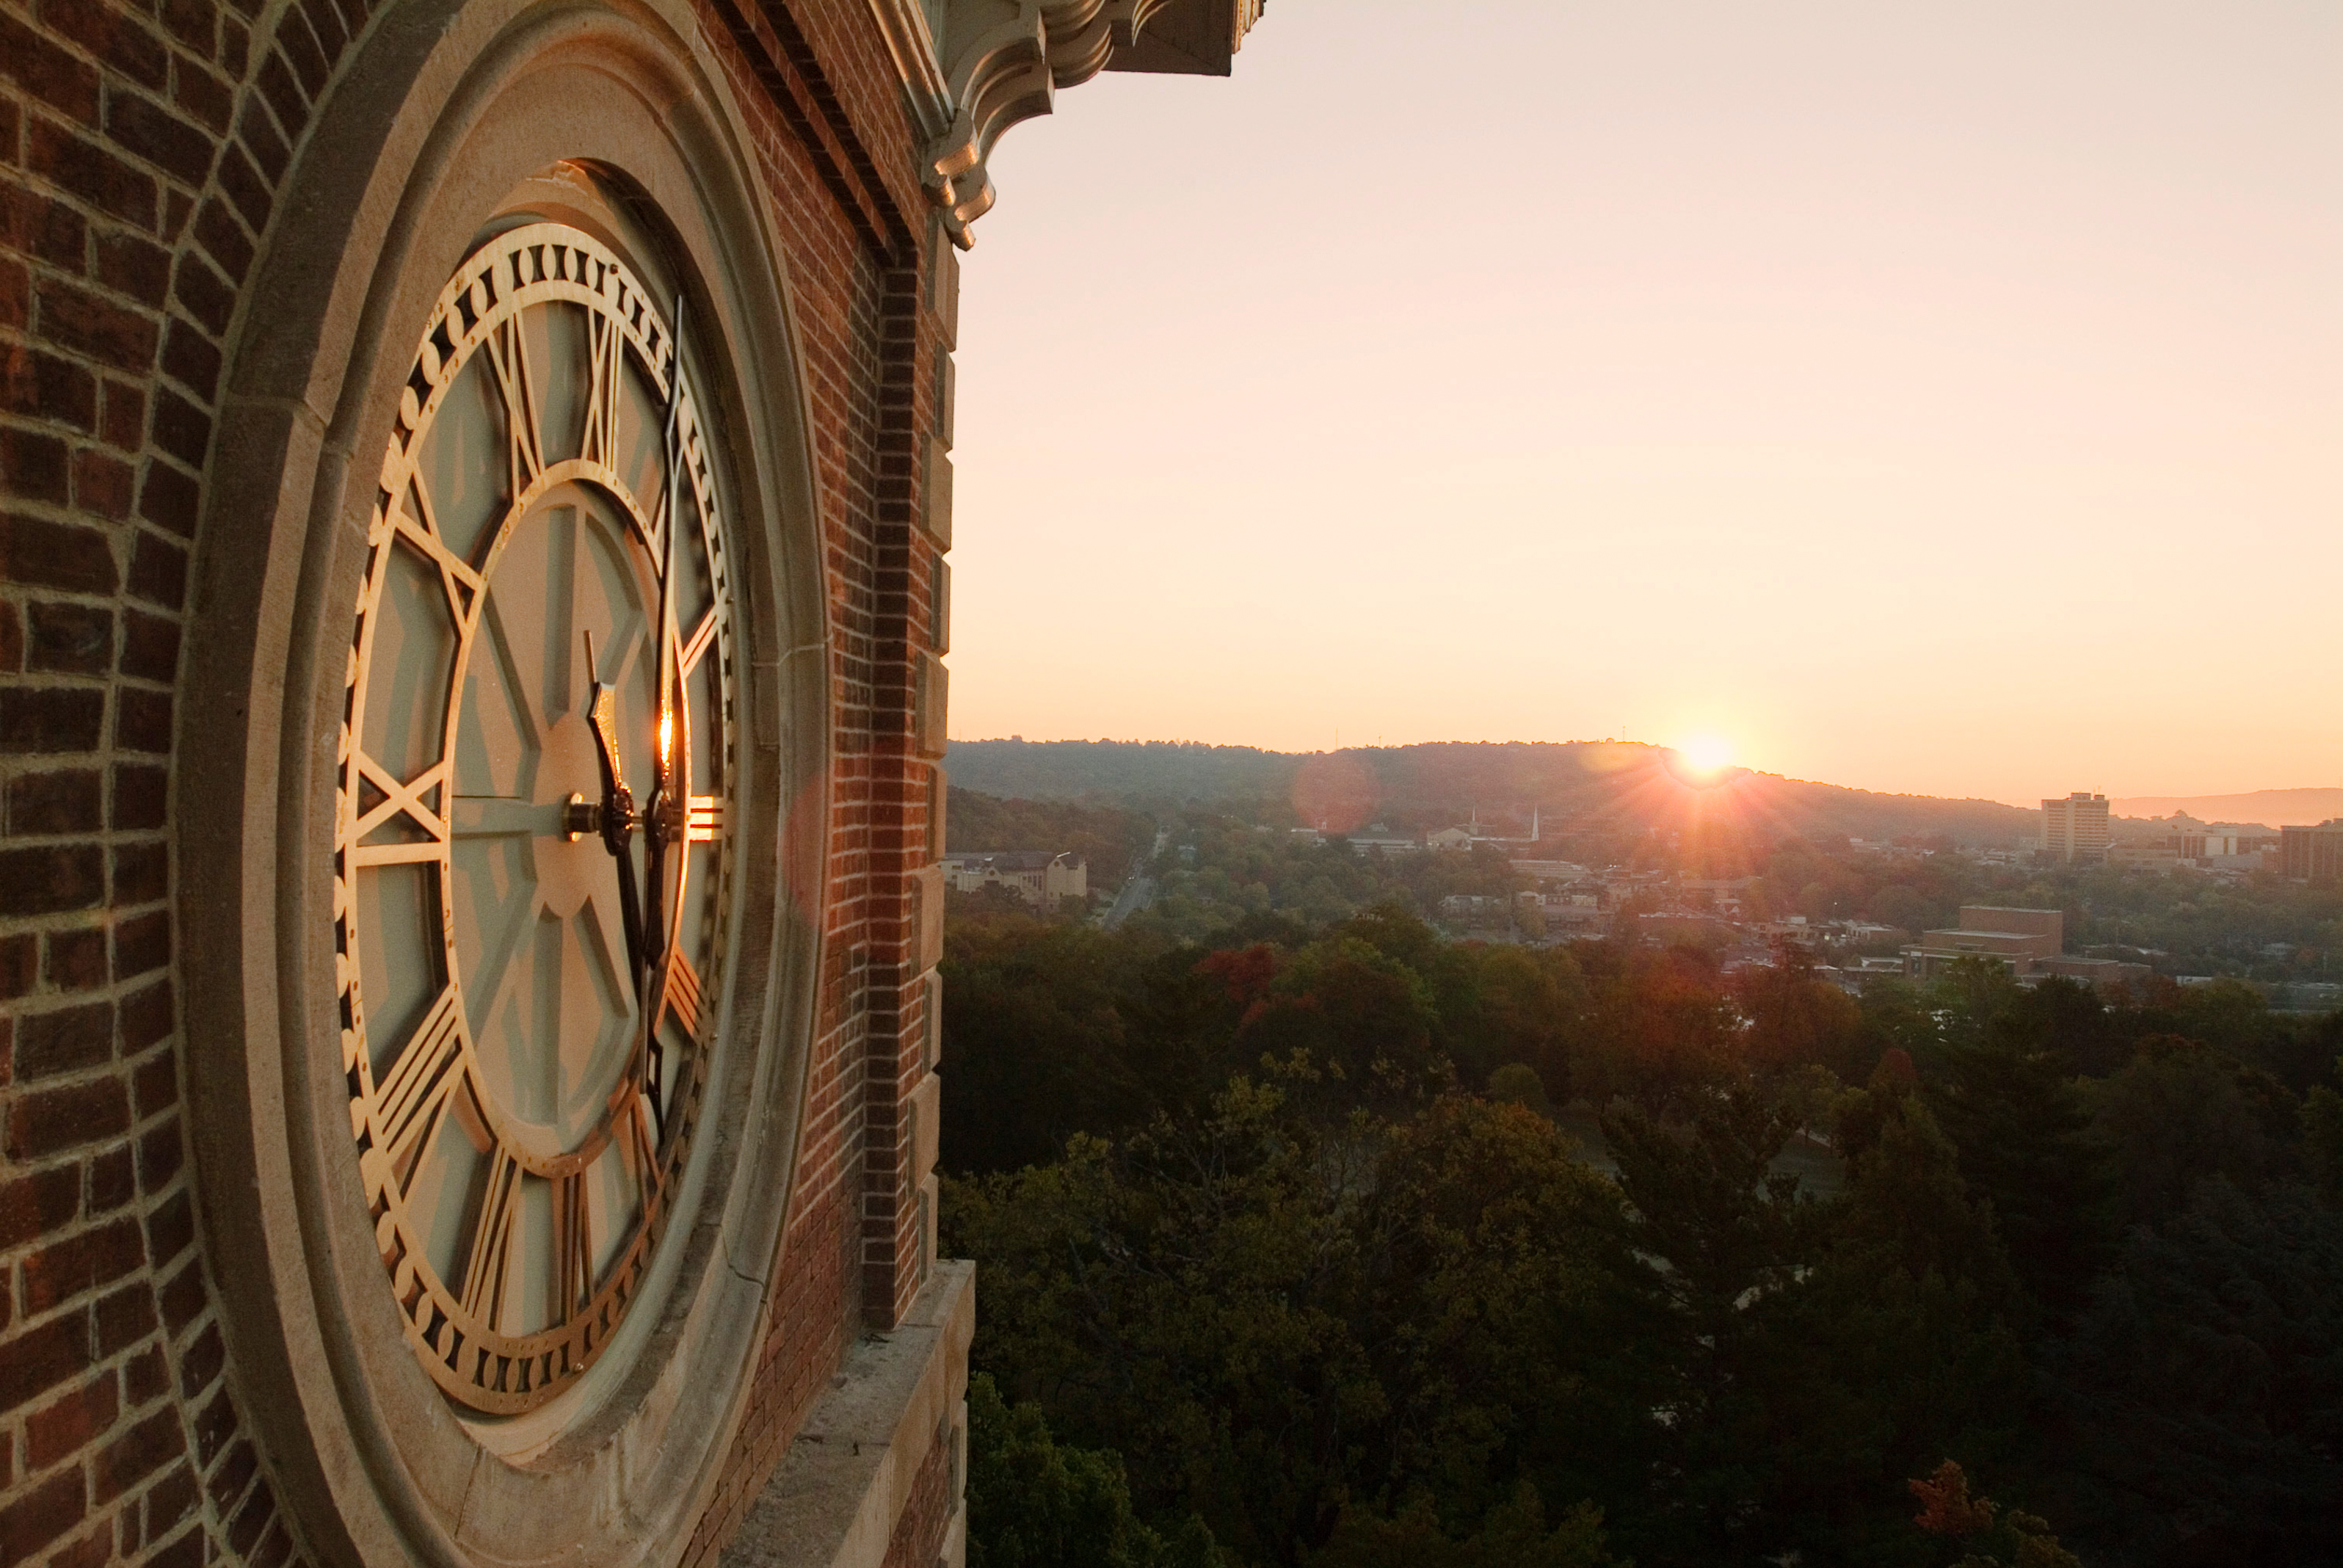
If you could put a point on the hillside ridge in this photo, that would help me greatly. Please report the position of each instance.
(2267, 807)
(1563, 786)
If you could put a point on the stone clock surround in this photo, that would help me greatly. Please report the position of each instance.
(479, 101)
(190, 212)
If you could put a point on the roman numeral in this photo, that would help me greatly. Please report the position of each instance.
(409, 1099)
(696, 646)
(606, 361)
(642, 1150)
(703, 819)
(573, 1246)
(683, 997)
(509, 353)
(661, 518)
(463, 585)
(404, 799)
(484, 1273)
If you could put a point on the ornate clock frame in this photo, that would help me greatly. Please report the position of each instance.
(616, 125)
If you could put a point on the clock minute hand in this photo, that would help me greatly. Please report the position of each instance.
(657, 826)
(660, 810)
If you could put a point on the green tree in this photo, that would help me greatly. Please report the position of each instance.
(1514, 1535)
(1034, 1503)
(2322, 1136)
(1494, 1310)
(2179, 1113)
(1715, 1239)
(2200, 1397)
(1181, 1297)
(1512, 1004)
(1855, 1337)
(1364, 1016)
(1518, 1083)
(1797, 1020)
(1901, 1340)
(1038, 1039)
(1661, 1031)
(1896, 1017)
(2027, 1148)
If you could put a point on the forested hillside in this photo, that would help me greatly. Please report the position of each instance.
(1580, 787)
(1108, 837)
(1291, 1258)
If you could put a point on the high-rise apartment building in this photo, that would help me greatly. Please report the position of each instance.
(2312, 854)
(2075, 829)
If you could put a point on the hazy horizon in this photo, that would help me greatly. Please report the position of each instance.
(2329, 797)
(1943, 403)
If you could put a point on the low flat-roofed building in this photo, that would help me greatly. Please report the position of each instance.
(2144, 854)
(1043, 878)
(2102, 973)
(2017, 938)
(2030, 943)
(1384, 843)
(1796, 931)
(2222, 843)
(1472, 907)
(1858, 972)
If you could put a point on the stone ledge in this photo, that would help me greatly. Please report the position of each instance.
(844, 1482)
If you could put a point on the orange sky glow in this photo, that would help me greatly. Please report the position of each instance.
(1939, 400)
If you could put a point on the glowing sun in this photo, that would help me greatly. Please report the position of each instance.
(1705, 753)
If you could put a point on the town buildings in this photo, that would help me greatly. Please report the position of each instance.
(2075, 829)
(2232, 849)
(1818, 938)
(2213, 846)
(2015, 938)
(466, 1110)
(2312, 854)
(2160, 855)
(2028, 943)
(1042, 877)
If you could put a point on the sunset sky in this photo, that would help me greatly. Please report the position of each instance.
(1932, 398)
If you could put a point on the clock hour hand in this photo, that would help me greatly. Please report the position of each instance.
(618, 828)
(618, 814)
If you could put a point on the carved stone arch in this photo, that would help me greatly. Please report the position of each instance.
(450, 115)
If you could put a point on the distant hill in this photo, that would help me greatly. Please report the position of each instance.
(2269, 808)
(1109, 838)
(1574, 787)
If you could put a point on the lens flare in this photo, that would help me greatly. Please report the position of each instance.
(1705, 753)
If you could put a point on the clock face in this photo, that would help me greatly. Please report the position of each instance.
(531, 845)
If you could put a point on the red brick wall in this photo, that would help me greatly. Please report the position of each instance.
(142, 143)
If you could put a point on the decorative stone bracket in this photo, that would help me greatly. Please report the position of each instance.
(992, 63)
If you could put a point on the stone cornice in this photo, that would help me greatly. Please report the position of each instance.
(1187, 39)
(1001, 62)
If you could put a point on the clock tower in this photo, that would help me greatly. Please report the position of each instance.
(475, 496)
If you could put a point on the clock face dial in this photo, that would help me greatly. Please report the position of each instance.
(546, 612)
